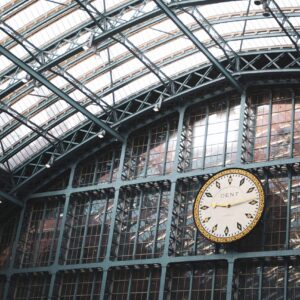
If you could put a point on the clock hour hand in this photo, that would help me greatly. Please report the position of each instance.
(214, 205)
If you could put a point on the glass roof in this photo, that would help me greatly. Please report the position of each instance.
(134, 47)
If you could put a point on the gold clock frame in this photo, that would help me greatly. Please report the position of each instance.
(258, 216)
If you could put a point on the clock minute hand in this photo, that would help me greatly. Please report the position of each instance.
(239, 201)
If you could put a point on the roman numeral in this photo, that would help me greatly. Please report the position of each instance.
(204, 207)
(250, 190)
(249, 216)
(206, 220)
(214, 228)
(226, 231)
(239, 226)
(253, 202)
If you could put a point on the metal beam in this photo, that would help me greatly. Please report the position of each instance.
(284, 22)
(198, 44)
(11, 199)
(122, 39)
(58, 92)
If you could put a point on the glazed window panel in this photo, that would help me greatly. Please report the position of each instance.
(276, 213)
(30, 287)
(281, 137)
(273, 281)
(151, 151)
(294, 281)
(141, 222)
(185, 239)
(210, 135)
(8, 230)
(197, 281)
(294, 241)
(98, 169)
(269, 126)
(79, 285)
(88, 227)
(296, 144)
(247, 278)
(38, 240)
(135, 284)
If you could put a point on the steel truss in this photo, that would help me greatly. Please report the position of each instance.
(284, 166)
(271, 63)
(81, 87)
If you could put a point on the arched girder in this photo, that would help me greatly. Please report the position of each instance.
(56, 59)
(53, 98)
(183, 85)
(198, 44)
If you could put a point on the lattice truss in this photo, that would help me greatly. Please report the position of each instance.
(74, 71)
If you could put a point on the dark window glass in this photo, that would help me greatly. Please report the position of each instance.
(88, 224)
(141, 223)
(151, 151)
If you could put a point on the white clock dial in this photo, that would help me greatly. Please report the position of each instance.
(229, 205)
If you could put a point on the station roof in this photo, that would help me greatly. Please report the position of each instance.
(72, 71)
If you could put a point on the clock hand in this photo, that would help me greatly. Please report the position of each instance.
(229, 204)
(239, 201)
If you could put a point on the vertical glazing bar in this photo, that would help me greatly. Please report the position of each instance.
(116, 199)
(288, 211)
(88, 213)
(292, 124)
(205, 136)
(76, 286)
(59, 243)
(166, 148)
(95, 171)
(54, 234)
(226, 131)
(169, 219)
(51, 294)
(111, 171)
(260, 282)
(163, 277)
(71, 178)
(93, 284)
(178, 141)
(269, 125)
(190, 296)
(241, 127)
(157, 219)
(129, 286)
(147, 154)
(229, 279)
(102, 227)
(149, 284)
(141, 200)
(286, 280)
(213, 283)
(103, 285)
(38, 240)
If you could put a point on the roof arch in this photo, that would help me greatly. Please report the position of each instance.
(117, 60)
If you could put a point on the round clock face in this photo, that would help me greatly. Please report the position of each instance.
(229, 205)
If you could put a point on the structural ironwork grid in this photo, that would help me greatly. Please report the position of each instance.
(117, 223)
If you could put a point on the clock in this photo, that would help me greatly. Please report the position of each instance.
(229, 205)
